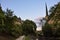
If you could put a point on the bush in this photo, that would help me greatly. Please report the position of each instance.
(47, 30)
(16, 31)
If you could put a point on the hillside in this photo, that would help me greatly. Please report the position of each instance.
(54, 14)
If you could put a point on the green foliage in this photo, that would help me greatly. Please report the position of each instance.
(16, 31)
(55, 15)
(1, 13)
(29, 27)
(56, 29)
(12, 28)
(47, 30)
(9, 26)
(55, 12)
(9, 13)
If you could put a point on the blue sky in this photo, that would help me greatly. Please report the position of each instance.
(28, 9)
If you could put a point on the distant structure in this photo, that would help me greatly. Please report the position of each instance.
(46, 17)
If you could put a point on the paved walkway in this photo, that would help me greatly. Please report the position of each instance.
(21, 38)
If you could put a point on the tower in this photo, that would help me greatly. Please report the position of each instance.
(46, 17)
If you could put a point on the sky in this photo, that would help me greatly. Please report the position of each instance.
(28, 9)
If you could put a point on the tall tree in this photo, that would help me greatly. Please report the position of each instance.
(9, 12)
(2, 16)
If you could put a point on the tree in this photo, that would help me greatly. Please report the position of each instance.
(9, 13)
(29, 27)
(56, 30)
(12, 29)
(55, 16)
(47, 30)
(2, 18)
(7, 23)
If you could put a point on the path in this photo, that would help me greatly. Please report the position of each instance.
(21, 38)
